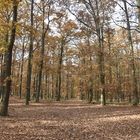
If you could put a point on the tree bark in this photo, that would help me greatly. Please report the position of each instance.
(21, 70)
(42, 50)
(99, 30)
(8, 63)
(58, 81)
(135, 88)
(29, 67)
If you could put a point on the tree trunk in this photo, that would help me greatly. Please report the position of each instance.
(21, 70)
(58, 81)
(1, 75)
(29, 67)
(8, 63)
(118, 77)
(135, 89)
(42, 54)
(1, 58)
(101, 66)
(90, 90)
(99, 30)
(67, 87)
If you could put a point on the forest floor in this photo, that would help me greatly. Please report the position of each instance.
(70, 120)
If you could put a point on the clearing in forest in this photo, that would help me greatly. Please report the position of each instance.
(70, 120)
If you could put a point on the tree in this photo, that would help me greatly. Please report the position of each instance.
(135, 88)
(43, 35)
(66, 31)
(21, 69)
(8, 62)
(29, 68)
(94, 15)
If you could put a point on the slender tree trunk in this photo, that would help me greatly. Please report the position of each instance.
(47, 86)
(35, 86)
(118, 76)
(58, 84)
(110, 61)
(99, 30)
(8, 63)
(52, 87)
(29, 67)
(72, 89)
(101, 66)
(135, 89)
(90, 90)
(1, 69)
(44, 31)
(90, 86)
(42, 54)
(67, 87)
(14, 72)
(90, 82)
(21, 71)
(81, 84)
(1, 74)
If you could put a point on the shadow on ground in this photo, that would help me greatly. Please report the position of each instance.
(69, 121)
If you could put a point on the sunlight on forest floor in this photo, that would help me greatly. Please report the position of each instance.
(69, 121)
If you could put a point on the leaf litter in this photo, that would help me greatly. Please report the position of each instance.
(69, 121)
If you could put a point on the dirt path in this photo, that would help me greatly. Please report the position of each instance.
(70, 121)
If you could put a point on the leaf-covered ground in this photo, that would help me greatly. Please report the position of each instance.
(69, 121)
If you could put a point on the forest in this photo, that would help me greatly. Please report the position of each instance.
(69, 69)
